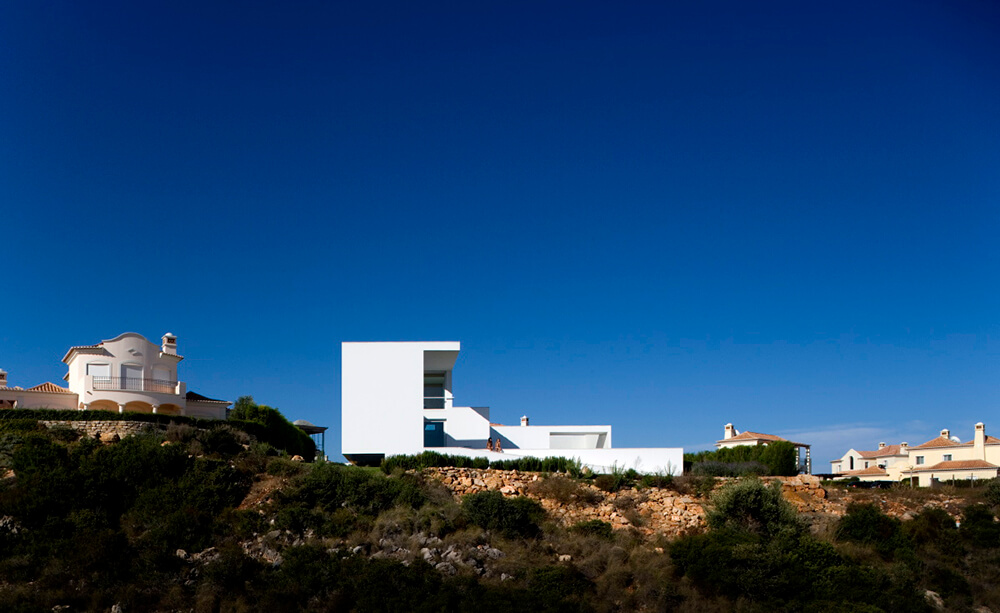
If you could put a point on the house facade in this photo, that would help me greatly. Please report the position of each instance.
(942, 458)
(731, 437)
(397, 398)
(126, 373)
(884, 463)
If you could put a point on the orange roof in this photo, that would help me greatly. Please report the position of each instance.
(956, 465)
(870, 471)
(51, 388)
(757, 436)
(886, 451)
(941, 441)
(990, 440)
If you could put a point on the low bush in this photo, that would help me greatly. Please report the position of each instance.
(749, 505)
(715, 468)
(979, 527)
(511, 517)
(594, 527)
(282, 467)
(563, 490)
(658, 480)
(270, 426)
(866, 524)
(433, 459)
(780, 458)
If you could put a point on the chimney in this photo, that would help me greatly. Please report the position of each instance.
(946, 433)
(169, 346)
(524, 420)
(730, 432)
(3, 378)
(881, 445)
(903, 447)
(979, 442)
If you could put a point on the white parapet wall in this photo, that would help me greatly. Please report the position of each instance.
(644, 460)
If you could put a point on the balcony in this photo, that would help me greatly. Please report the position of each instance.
(134, 384)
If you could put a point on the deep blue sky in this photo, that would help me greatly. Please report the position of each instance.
(663, 216)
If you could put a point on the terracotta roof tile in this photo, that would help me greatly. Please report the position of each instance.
(51, 388)
(990, 440)
(757, 436)
(870, 471)
(888, 450)
(940, 441)
(956, 465)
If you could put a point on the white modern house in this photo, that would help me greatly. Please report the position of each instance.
(397, 399)
(126, 373)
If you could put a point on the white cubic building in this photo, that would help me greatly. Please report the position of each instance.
(397, 399)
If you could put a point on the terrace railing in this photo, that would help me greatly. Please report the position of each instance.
(135, 384)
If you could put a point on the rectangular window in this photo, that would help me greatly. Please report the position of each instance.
(866, 464)
(946, 458)
(434, 390)
(920, 460)
(99, 371)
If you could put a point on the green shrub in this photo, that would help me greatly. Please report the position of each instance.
(432, 459)
(20, 425)
(866, 524)
(749, 505)
(932, 526)
(780, 458)
(992, 492)
(715, 468)
(563, 490)
(329, 487)
(282, 467)
(658, 480)
(594, 527)
(270, 426)
(510, 517)
(979, 527)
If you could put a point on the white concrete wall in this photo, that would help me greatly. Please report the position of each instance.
(668, 460)
(382, 392)
(538, 437)
(463, 426)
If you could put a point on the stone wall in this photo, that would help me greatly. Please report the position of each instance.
(650, 510)
(104, 429)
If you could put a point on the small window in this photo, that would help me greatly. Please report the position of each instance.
(946, 458)
(101, 371)
(866, 464)
(920, 460)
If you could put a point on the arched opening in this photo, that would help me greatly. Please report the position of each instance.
(104, 405)
(138, 407)
(168, 409)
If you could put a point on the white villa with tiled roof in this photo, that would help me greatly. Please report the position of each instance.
(884, 463)
(940, 459)
(126, 373)
(734, 438)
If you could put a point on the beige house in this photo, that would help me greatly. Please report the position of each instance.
(733, 438)
(882, 464)
(126, 373)
(939, 459)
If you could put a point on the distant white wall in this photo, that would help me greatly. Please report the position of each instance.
(541, 437)
(669, 460)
